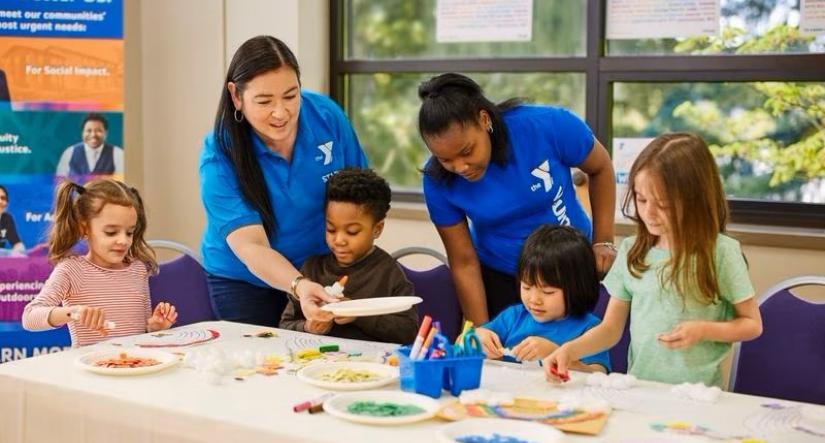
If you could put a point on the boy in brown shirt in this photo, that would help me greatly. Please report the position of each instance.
(356, 204)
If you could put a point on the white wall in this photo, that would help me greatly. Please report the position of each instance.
(176, 58)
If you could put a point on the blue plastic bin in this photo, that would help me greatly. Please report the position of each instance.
(429, 377)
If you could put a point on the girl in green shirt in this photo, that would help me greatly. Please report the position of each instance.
(687, 281)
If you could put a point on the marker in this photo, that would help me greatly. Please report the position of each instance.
(310, 403)
(425, 347)
(75, 315)
(419, 339)
(314, 409)
(555, 371)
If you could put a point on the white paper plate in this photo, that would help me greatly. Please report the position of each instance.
(371, 306)
(312, 374)
(523, 430)
(337, 406)
(87, 361)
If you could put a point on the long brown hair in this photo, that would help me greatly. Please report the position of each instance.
(689, 180)
(76, 205)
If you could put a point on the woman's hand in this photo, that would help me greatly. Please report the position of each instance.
(312, 296)
(490, 343)
(163, 317)
(605, 255)
(533, 348)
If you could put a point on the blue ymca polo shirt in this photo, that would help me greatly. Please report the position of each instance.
(324, 144)
(515, 323)
(533, 187)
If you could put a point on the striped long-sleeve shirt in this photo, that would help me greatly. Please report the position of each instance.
(122, 293)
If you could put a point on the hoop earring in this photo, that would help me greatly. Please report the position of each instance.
(490, 128)
(235, 115)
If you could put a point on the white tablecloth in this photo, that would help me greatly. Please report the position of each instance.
(49, 398)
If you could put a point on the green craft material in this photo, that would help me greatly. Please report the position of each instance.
(387, 409)
(328, 348)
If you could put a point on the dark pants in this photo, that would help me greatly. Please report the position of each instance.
(501, 288)
(239, 301)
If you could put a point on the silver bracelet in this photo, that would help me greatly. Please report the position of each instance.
(607, 244)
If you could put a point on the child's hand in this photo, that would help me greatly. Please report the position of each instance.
(91, 317)
(685, 334)
(557, 363)
(162, 318)
(343, 320)
(317, 327)
(490, 343)
(533, 348)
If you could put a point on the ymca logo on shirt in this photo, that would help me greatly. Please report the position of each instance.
(542, 172)
(326, 148)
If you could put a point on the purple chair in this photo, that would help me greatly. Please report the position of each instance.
(435, 286)
(618, 353)
(788, 360)
(182, 282)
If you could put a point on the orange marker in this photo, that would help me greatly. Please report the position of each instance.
(342, 280)
(427, 342)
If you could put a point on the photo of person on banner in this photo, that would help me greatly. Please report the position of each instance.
(10, 243)
(91, 157)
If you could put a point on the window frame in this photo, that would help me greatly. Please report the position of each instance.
(601, 72)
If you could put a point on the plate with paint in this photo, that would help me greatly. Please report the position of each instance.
(129, 361)
(491, 430)
(348, 375)
(366, 307)
(381, 407)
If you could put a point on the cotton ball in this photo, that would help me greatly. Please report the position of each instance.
(621, 381)
(597, 379)
(473, 396)
(244, 359)
(710, 395)
(190, 360)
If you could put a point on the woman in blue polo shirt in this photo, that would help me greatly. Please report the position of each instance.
(496, 173)
(263, 171)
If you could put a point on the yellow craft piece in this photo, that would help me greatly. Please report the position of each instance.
(753, 440)
(679, 424)
(274, 359)
(308, 353)
(533, 403)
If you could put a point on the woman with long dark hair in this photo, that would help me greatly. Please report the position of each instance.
(263, 170)
(497, 172)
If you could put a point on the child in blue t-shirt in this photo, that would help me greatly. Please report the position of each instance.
(559, 288)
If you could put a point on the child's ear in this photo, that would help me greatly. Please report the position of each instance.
(377, 229)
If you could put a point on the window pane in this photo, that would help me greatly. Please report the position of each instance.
(767, 136)
(384, 110)
(747, 27)
(404, 29)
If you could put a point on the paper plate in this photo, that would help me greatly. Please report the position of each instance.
(165, 360)
(523, 430)
(371, 306)
(313, 374)
(337, 406)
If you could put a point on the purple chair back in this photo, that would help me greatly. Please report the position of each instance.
(182, 282)
(618, 353)
(435, 286)
(787, 361)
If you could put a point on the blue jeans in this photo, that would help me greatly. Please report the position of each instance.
(240, 301)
